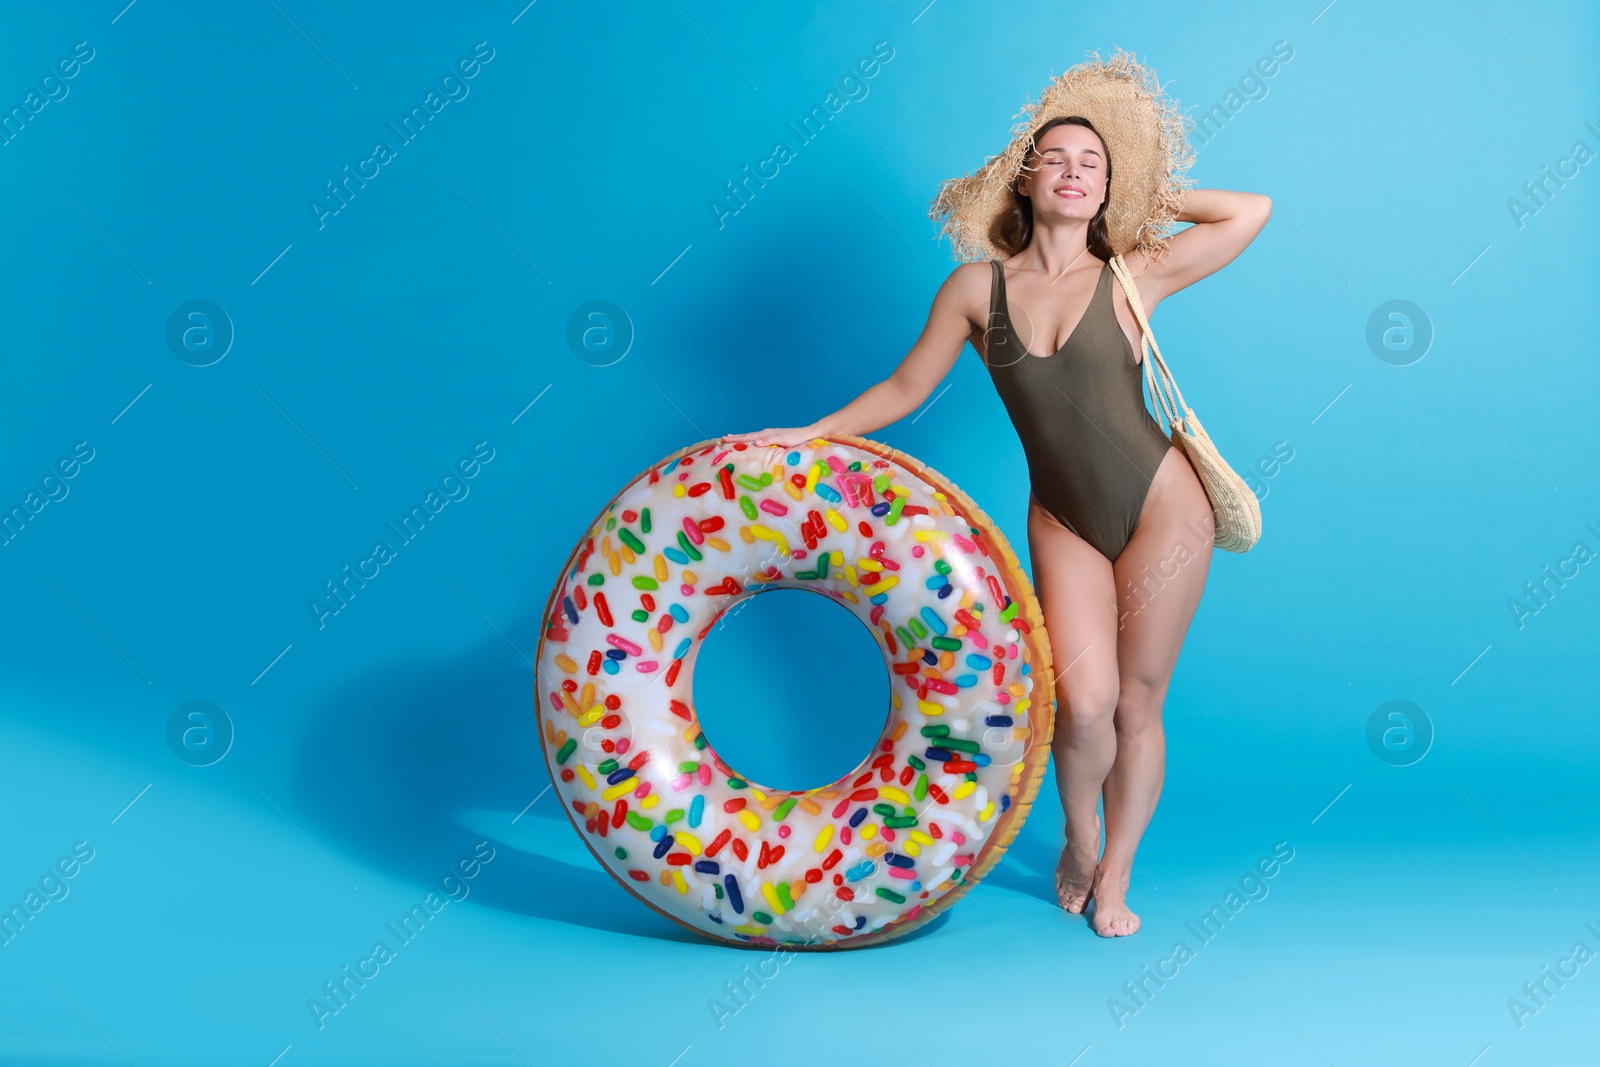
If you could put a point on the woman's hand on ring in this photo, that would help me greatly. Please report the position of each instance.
(784, 437)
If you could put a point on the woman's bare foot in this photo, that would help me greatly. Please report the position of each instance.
(1075, 871)
(1111, 915)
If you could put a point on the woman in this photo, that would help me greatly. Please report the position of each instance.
(1119, 527)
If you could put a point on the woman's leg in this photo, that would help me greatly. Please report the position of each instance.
(1073, 582)
(1159, 577)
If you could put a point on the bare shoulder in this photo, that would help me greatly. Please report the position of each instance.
(966, 289)
(959, 313)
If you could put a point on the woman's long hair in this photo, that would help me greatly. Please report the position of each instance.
(1012, 230)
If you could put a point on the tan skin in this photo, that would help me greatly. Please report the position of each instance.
(1115, 632)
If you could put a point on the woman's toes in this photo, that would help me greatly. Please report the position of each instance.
(1112, 917)
(1119, 924)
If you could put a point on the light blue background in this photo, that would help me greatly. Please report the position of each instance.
(433, 310)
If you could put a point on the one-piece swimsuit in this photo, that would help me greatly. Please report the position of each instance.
(1091, 445)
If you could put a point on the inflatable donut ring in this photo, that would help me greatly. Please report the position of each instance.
(932, 806)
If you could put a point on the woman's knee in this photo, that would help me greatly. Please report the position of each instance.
(1139, 703)
(1088, 704)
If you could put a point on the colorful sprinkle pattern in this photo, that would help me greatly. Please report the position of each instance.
(859, 859)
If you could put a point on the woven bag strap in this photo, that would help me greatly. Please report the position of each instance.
(1169, 399)
(1163, 388)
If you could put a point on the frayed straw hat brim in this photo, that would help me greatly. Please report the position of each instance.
(1146, 135)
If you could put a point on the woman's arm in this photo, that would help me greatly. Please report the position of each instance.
(1225, 222)
(924, 367)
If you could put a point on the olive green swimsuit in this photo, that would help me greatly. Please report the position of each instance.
(1091, 445)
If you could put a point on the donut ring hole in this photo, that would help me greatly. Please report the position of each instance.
(791, 695)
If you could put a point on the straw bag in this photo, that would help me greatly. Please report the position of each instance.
(1238, 513)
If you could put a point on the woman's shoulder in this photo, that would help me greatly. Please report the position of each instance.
(972, 276)
(968, 285)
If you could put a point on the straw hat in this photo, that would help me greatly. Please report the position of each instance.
(1145, 135)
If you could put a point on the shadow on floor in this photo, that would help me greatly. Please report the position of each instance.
(411, 765)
